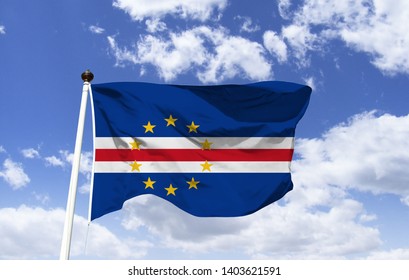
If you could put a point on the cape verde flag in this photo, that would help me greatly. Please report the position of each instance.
(213, 151)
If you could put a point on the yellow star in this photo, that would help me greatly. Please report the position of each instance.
(135, 145)
(193, 127)
(193, 183)
(206, 166)
(206, 145)
(135, 166)
(171, 121)
(149, 127)
(149, 183)
(171, 190)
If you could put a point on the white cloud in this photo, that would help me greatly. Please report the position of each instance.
(85, 161)
(374, 27)
(395, 254)
(368, 153)
(247, 25)
(2, 29)
(384, 36)
(121, 54)
(43, 198)
(301, 41)
(30, 153)
(275, 232)
(283, 8)
(275, 45)
(405, 200)
(368, 26)
(213, 52)
(310, 81)
(96, 29)
(229, 60)
(86, 187)
(155, 25)
(172, 57)
(2, 150)
(35, 233)
(333, 13)
(85, 167)
(13, 173)
(54, 161)
(368, 218)
(200, 10)
(66, 157)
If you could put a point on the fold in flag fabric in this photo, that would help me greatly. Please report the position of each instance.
(213, 151)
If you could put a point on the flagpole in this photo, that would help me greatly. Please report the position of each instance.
(87, 77)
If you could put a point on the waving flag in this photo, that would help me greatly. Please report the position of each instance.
(213, 151)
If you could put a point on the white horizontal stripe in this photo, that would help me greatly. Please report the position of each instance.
(196, 142)
(193, 167)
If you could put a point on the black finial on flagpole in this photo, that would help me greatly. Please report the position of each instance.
(87, 76)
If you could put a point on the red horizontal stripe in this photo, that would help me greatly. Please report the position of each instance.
(194, 155)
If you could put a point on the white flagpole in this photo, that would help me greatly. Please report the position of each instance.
(87, 77)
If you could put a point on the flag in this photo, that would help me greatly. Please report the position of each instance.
(213, 151)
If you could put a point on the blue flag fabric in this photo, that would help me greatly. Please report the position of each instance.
(213, 151)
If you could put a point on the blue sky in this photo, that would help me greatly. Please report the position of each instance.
(351, 195)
